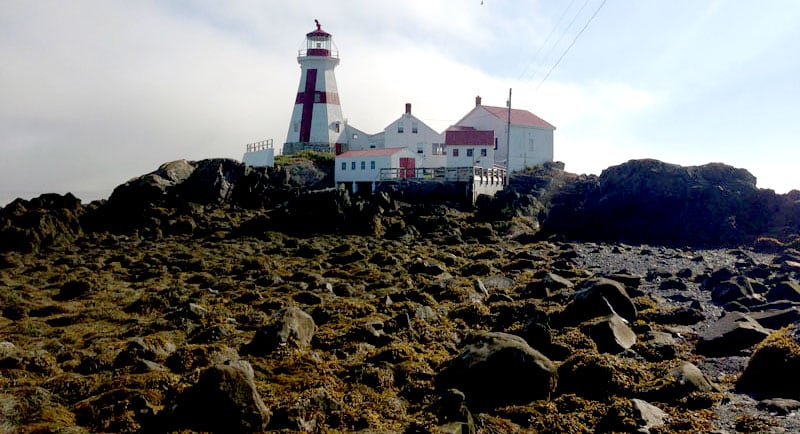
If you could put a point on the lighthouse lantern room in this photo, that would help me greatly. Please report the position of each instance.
(317, 123)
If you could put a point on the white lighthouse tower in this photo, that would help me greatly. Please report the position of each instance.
(317, 123)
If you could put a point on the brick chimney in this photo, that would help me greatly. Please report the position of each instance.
(408, 108)
(477, 100)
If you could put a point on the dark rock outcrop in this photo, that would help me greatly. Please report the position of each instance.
(49, 220)
(649, 201)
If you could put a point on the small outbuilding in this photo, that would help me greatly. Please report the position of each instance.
(362, 168)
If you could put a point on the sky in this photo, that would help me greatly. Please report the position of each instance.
(94, 93)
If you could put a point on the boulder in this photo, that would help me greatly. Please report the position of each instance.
(611, 334)
(777, 318)
(224, 400)
(593, 375)
(772, 370)
(733, 334)
(786, 290)
(733, 290)
(290, 327)
(779, 406)
(689, 378)
(647, 415)
(550, 284)
(497, 369)
(152, 348)
(153, 187)
(599, 297)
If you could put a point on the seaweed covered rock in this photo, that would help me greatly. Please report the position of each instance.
(497, 369)
(224, 400)
(49, 220)
(772, 370)
(291, 326)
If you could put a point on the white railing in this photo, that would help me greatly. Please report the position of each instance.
(259, 146)
(479, 175)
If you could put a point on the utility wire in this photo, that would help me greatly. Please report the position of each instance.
(546, 40)
(563, 34)
(571, 44)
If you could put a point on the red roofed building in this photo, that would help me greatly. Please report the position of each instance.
(469, 147)
(531, 136)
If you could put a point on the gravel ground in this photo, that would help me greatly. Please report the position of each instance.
(738, 412)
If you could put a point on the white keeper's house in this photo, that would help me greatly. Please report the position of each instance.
(531, 136)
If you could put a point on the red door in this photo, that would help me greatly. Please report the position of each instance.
(407, 166)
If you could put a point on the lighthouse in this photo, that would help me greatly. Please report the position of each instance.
(317, 123)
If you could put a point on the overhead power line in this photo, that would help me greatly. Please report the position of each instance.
(546, 40)
(578, 35)
(561, 37)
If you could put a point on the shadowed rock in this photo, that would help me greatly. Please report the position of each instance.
(599, 297)
(496, 369)
(224, 400)
(730, 335)
(772, 370)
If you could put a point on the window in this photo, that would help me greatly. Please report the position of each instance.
(344, 165)
(355, 136)
(495, 143)
(530, 144)
(470, 152)
(414, 128)
(372, 165)
(438, 149)
(363, 165)
(353, 165)
(484, 152)
(455, 152)
(336, 126)
(400, 128)
(420, 149)
(296, 126)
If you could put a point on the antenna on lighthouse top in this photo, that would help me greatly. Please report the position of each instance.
(319, 26)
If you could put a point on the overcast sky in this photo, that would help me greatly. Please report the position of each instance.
(94, 93)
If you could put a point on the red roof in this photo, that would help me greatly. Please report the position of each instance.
(471, 137)
(372, 152)
(518, 117)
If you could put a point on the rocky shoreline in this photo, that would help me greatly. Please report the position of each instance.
(163, 314)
